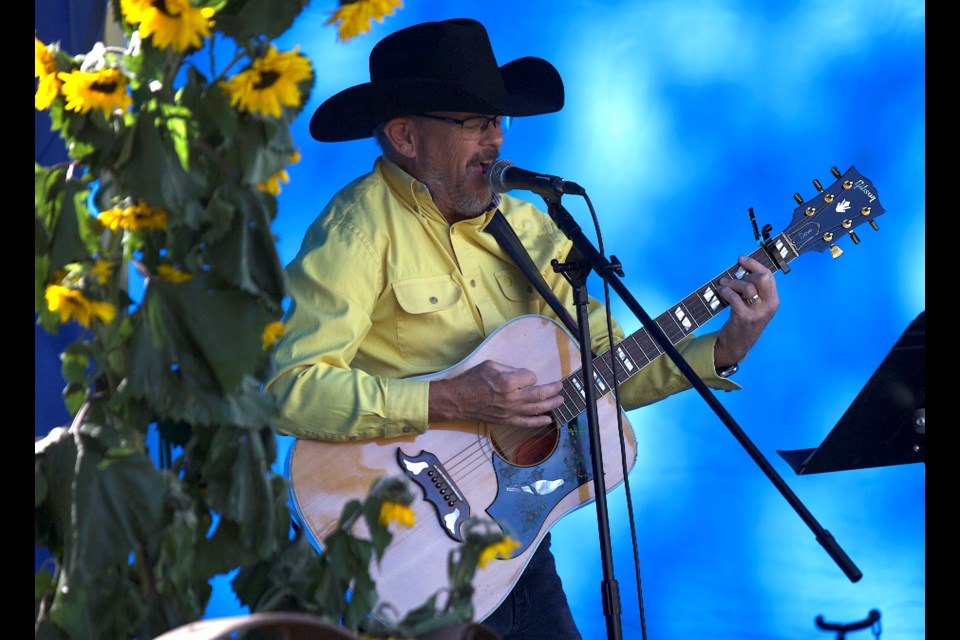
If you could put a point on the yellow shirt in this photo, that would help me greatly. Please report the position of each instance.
(384, 289)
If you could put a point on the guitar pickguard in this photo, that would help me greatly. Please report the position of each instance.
(526, 494)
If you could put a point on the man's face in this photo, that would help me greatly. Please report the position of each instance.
(453, 166)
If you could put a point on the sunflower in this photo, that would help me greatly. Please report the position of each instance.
(45, 68)
(396, 512)
(102, 270)
(172, 274)
(135, 217)
(272, 184)
(171, 23)
(73, 305)
(271, 81)
(105, 89)
(355, 16)
(503, 549)
(272, 333)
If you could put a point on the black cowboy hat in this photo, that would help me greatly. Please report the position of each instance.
(438, 66)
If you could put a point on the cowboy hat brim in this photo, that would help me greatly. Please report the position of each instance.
(533, 88)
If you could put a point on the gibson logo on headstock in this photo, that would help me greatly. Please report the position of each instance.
(863, 186)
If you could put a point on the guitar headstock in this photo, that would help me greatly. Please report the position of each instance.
(820, 221)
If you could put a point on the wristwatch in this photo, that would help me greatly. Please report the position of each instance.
(729, 371)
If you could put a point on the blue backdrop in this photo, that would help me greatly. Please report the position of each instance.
(678, 118)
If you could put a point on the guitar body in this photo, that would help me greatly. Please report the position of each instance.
(524, 480)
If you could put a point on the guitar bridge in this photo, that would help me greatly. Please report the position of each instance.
(439, 489)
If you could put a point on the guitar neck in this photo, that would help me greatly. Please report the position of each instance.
(639, 349)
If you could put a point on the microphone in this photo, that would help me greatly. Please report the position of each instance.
(505, 176)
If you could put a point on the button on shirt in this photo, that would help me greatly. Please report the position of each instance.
(384, 292)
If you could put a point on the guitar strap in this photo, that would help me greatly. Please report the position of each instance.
(500, 229)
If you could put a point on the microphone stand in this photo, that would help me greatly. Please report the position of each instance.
(576, 272)
(587, 258)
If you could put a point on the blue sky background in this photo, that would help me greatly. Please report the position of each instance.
(680, 116)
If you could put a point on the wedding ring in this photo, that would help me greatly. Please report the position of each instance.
(753, 298)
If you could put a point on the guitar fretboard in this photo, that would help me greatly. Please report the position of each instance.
(639, 349)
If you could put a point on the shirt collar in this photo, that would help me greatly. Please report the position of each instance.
(415, 194)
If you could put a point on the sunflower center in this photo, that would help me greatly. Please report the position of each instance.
(267, 80)
(108, 87)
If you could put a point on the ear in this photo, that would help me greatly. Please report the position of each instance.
(400, 133)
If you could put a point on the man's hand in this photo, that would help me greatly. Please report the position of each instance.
(753, 300)
(495, 393)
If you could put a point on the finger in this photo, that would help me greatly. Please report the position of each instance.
(734, 291)
(544, 405)
(509, 379)
(753, 266)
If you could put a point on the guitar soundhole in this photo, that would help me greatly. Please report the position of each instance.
(525, 447)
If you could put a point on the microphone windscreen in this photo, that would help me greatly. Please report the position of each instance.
(495, 175)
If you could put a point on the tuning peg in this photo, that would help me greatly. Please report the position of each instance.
(846, 224)
(835, 251)
(835, 172)
(865, 211)
(798, 198)
(817, 185)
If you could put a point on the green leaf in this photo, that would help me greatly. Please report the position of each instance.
(196, 340)
(102, 607)
(221, 552)
(63, 218)
(116, 509)
(154, 170)
(55, 463)
(218, 121)
(247, 255)
(246, 19)
(178, 540)
(287, 582)
(238, 479)
(91, 138)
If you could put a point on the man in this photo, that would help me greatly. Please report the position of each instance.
(397, 279)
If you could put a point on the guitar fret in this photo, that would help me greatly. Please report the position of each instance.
(575, 392)
(683, 319)
(601, 376)
(625, 360)
(648, 346)
(609, 373)
(599, 384)
(673, 326)
(702, 310)
(570, 407)
(711, 300)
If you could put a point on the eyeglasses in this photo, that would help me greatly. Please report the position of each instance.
(474, 127)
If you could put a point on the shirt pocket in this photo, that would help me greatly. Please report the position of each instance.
(434, 326)
(519, 292)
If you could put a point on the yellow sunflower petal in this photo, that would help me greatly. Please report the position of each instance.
(396, 512)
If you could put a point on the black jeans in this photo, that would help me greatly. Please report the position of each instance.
(536, 608)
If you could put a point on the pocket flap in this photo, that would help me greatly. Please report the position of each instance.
(423, 295)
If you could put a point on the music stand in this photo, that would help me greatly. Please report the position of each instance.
(886, 424)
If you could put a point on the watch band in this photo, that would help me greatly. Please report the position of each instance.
(729, 371)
